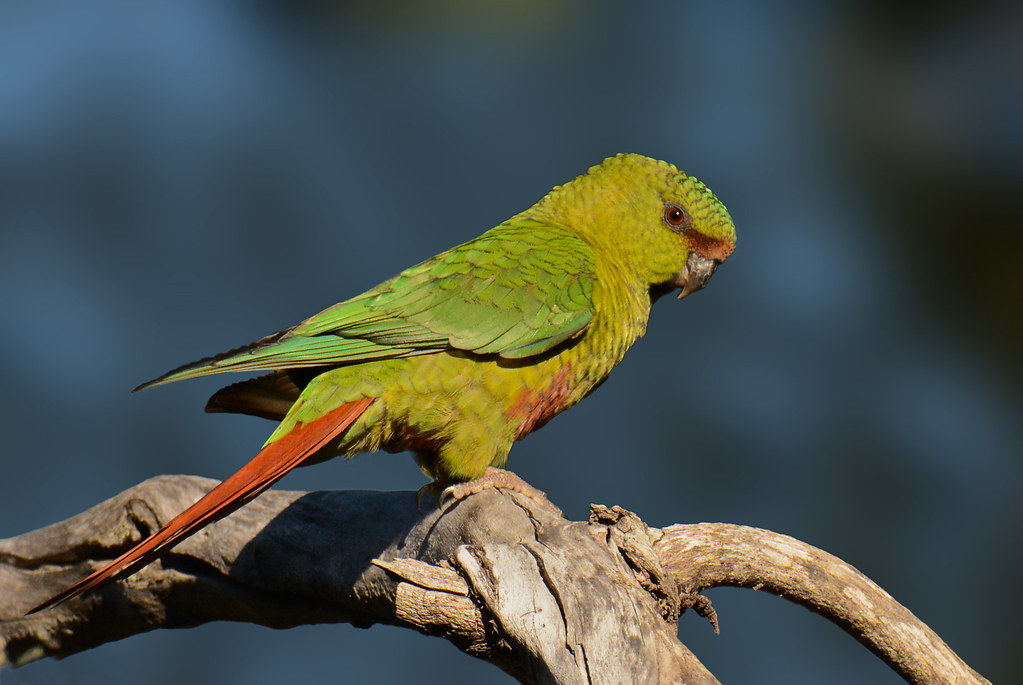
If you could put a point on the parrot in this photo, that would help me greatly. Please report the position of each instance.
(460, 356)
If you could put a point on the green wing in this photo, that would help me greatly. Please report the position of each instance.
(516, 291)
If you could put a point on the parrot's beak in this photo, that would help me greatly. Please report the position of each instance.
(695, 274)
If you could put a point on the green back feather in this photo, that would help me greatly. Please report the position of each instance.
(516, 291)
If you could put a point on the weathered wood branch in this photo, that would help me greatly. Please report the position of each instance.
(498, 574)
(762, 560)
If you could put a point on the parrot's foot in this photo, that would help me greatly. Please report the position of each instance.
(434, 490)
(495, 478)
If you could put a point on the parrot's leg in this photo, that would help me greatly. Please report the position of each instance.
(495, 478)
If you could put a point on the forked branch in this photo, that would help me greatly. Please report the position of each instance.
(500, 575)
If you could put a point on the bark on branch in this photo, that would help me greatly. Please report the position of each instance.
(499, 575)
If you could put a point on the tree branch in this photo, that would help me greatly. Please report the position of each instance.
(759, 559)
(498, 574)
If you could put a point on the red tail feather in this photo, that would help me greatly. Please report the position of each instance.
(265, 469)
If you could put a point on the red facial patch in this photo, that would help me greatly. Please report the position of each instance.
(535, 409)
(711, 248)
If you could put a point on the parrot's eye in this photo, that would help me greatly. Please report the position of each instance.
(675, 216)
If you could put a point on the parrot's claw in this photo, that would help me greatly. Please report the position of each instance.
(434, 489)
(495, 478)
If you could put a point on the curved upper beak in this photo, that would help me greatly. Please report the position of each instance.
(695, 274)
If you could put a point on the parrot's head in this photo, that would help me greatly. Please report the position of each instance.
(664, 227)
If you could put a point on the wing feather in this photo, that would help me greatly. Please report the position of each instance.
(516, 291)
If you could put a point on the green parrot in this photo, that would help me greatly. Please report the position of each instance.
(458, 357)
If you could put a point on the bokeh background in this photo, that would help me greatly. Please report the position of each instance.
(179, 178)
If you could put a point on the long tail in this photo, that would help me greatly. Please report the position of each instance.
(265, 469)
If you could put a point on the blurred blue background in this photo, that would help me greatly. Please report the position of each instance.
(180, 178)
